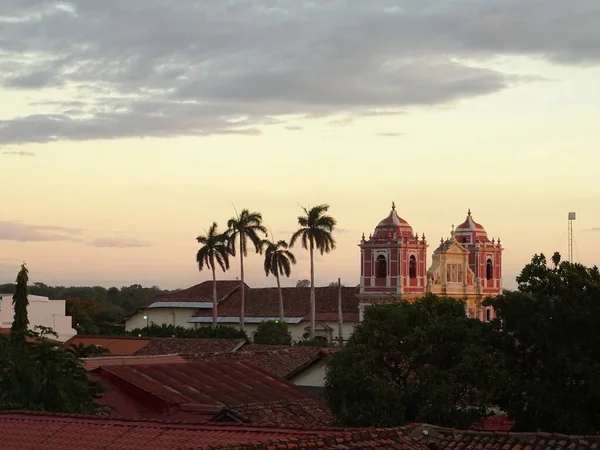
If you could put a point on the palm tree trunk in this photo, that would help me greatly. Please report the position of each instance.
(215, 299)
(312, 292)
(242, 307)
(281, 316)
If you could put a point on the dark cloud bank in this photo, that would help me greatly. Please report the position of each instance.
(169, 68)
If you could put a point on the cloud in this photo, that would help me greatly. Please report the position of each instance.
(200, 68)
(18, 153)
(390, 134)
(294, 127)
(21, 232)
(593, 229)
(119, 242)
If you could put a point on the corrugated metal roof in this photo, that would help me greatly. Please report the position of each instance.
(198, 305)
(291, 320)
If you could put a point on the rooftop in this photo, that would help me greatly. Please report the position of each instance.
(116, 345)
(264, 302)
(284, 361)
(199, 387)
(169, 346)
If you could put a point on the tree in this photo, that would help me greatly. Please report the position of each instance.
(38, 374)
(315, 232)
(278, 261)
(303, 283)
(420, 362)
(246, 227)
(215, 250)
(272, 332)
(20, 303)
(552, 322)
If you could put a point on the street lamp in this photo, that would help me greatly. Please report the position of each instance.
(147, 319)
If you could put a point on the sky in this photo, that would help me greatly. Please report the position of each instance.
(127, 128)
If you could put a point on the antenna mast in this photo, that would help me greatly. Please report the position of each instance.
(572, 217)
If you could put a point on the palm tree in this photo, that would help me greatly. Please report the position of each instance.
(315, 232)
(246, 226)
(214, 250)
(278, 261)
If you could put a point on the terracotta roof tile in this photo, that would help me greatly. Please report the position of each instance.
(264, 302)
(29, 430)
(116, 345)
(283, 361)
(304, 412)
(473, 439)
(202, 292)
(170, 346)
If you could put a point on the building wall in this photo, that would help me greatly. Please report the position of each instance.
(159, 316)
(313, 376)
(41, 312)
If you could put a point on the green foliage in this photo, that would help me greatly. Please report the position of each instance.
(37, 373)
(552, 321)
(316, 229)
(303, 283)
(272, 332)
(245, 227)
(278, 259)
(215, 249)
(219, 332)
(420, 362)
(317, 341)
(20, 303)
(85, 351)
(315, 232)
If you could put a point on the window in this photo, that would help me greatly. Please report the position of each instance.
(412, 267)
(381, 267)
(488, 315)
(489, 270)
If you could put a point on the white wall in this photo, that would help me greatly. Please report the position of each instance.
(41, 311)
(159, 316)
(312, 376)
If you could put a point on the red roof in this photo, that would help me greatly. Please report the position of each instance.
(301, 413)
(199, 387)
(107, 361)
(284, 361)
(116, 345)
(47, 431)
(264, 302)
(470, 231)
(169, 346)
(393, 227)
(202, 292)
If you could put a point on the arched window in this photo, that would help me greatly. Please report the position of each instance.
(381, 267)
(412, 267)
(489, 270)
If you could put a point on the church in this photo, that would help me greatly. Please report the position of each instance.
(393, 261)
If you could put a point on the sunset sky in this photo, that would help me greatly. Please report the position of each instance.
(128, 127)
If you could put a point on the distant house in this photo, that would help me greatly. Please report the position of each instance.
(41, 312)
(192, 307)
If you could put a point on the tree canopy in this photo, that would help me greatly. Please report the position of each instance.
(419, 362)
(37, 373)
(552, 322)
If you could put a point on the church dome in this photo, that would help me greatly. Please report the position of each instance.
(393, 227)
(470, 231)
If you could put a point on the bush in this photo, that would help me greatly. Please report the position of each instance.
(317, 341)
(208, 332)
(272, 333)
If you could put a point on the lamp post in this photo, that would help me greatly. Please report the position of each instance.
(147, 319)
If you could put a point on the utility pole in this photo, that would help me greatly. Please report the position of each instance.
(572, 217)
(340, 315)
